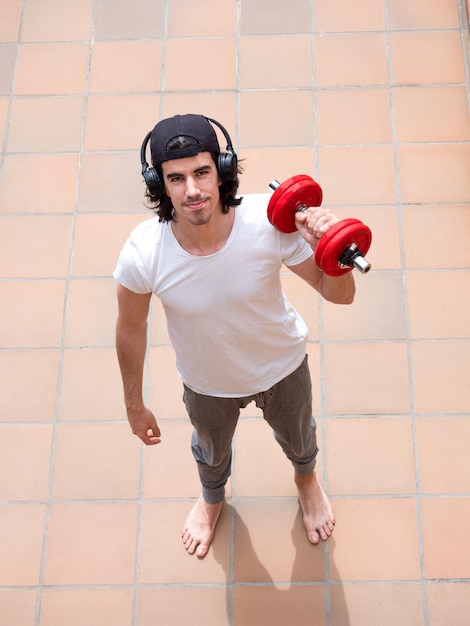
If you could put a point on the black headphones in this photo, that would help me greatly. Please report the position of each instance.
(226, 163)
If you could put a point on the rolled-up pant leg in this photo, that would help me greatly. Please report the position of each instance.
(288, 410)
(214, 421)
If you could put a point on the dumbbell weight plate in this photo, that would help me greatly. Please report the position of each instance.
(288, 197)
(334, 242)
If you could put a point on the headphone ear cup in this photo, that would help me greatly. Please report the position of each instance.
(152, 180)
(227, 165)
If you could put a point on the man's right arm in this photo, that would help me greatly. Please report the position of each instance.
(131, 347)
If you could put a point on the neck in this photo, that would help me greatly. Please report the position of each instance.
(204, 239)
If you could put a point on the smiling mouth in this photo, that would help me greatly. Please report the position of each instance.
(196, 204)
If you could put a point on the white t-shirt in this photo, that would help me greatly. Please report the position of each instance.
(234, 332)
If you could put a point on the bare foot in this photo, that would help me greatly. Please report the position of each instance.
(319, 520)
(199, 528)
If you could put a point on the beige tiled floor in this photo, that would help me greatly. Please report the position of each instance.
(371, 98)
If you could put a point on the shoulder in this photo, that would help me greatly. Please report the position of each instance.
(148, 229)
(253, 209)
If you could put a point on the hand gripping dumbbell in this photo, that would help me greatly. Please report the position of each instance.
(341, 248)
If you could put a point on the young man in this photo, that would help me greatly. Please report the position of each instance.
(214, 261)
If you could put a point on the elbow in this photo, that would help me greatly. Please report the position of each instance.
(342, 291)
(349, 295)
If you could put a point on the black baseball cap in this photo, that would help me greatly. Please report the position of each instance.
(197, 127)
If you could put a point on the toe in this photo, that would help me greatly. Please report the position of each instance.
(202, 551)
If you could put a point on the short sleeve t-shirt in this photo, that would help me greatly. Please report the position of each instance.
(233, 330)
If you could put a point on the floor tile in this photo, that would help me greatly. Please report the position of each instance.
(434, 173)
(46, 240)
(18, 606)
(7, 61)
(279, 604)
(420, 15)
(264, 18)
(261, 524)
(35, 371)
(431, 114)
(53, 20)
(370, 456)
(91, 544)
(446, 553)
(183, 58)
(420, 58)
(117, 19)
(262, 165)
(91, 373)
(351, 60)
(165, 386)
(59, 130)
(52, 176)
(170, 470)
(443, 438)
(440, 388)
(163, 558)
(21, 532)
(11, 18)
(99, 240)
(104, 129)
(375, 539)
(51, 69)
(448, 602)
(99, 477)
(91, 313)
(366, 605)
(4, 103)
(219, 105)
(25, 455)
(135, 75)
(111, 183)
(290, 56)
(34, 317)
(353, 116)
(295, 130)
(351, 395)
(198, 606)
(340, 16)
(427, 245)
(357, 175)
(273, 474)
(214, 18)
(446, 318)
(364, 319)
(108, 607)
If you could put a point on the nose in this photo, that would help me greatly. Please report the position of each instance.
(192, 188)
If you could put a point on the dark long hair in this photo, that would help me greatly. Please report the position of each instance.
(161, 204)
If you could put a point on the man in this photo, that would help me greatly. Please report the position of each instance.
(214, 261)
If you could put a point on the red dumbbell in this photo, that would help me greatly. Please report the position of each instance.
(341, 248)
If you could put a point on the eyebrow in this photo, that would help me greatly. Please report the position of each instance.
(197, 170)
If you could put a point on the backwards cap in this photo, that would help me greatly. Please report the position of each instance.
(196, 126)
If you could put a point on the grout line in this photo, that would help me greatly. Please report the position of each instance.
(407, 321)
(320, 322)
(63, 334)
(465, 42)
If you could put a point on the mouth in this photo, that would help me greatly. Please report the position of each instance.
(196, 205)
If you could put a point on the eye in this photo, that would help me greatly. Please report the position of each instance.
(175, 179)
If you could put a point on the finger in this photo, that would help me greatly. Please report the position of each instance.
(152, 438)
